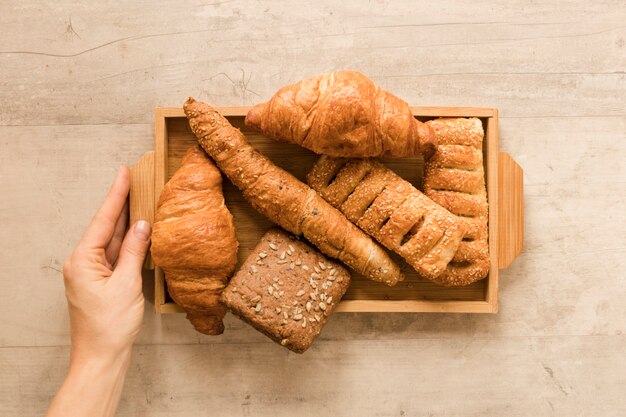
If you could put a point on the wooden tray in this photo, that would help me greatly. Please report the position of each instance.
(504, 189)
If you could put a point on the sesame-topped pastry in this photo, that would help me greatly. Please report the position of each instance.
(286, 289)
(391, 210)
(455, 178)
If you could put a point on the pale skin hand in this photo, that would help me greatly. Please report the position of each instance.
(103, 289)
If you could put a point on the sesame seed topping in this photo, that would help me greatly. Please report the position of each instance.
(273, 246)
(313, 296)
(262, 255)
(329, 299)
(297, 317)
(316, 269)
(270, 290)
(300, 293)
(281, 262)
(282, 255)
(306, 268)
(255, 299)
(322, 306)
(292, 265)
(308, 306)
(291, 248)
(278, 310)
(298, 262)
(285, 315)
(322, 266)
(303, 324)
(258, 307)
(253, 269)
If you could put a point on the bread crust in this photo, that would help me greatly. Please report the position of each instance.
(286, 289)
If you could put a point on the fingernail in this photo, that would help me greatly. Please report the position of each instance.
(142, 230)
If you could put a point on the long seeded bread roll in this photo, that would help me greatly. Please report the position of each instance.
(285, 200)
(194, 240)
(391, 210)
(455, 178)
(342, 114)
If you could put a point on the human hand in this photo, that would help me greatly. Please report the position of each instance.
(103, 280)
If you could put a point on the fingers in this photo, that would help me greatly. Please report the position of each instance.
(102, 226)
(113, 249)
(133, 250)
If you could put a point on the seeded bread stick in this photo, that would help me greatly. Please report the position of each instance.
(284, 199)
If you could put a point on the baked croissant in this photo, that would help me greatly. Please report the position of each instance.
(343, 114)
(194, 241)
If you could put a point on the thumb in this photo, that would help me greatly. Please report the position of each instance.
(134, 248)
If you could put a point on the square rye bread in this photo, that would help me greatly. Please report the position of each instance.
(286, 289)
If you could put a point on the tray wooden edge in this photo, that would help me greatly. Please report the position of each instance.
(489, 305)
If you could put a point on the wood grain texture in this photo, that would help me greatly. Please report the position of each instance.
(141, 197)
(78, 87)
(510, 210)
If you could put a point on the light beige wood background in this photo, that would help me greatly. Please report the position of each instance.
(78, 84)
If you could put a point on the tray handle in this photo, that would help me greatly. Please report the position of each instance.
(142, 194)
(510, 210)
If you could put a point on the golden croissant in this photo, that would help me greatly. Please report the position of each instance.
(343, 114)
(194, 241)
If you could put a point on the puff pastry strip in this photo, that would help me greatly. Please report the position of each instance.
(391, 210)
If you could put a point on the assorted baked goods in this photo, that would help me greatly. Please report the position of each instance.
(194, 240)
(455, 179)
(343, 114)
(285, 200)
(286, 289)
(391, 210)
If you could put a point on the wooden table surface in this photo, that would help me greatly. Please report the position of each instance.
(78, 84)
